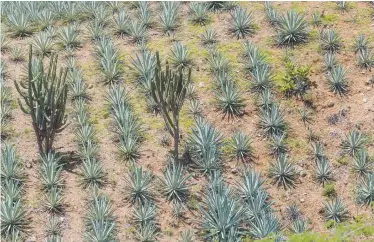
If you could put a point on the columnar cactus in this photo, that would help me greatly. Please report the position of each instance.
(169, 90)
(44, 98)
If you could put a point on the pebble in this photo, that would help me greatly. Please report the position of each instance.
(368, 88)
(302, 200)
(234, 170)
(365, 100)
(28, 165)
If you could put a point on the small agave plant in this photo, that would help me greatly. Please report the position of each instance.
(242, 23)
(240, 147)
(283, 172)
(337, 80)
(365, 190)
(292, 29)
(335, 210)
(353, 143)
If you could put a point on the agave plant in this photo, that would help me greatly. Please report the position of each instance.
(100, 15)
(242, 23)
(240, 147)
(11, 169)
(69, 37)
(337, 81)
(278, 144)
(272, 121)
(361, 43)
(144, 213)
(263, 225)
(43, 44)
(111, 70)
(299, 226)
(365, 59)
(146, 232)
(101, 230)
(12, 217)
(342, 5)
(317, 151)
(4, 43)
(53, 226)
(272, 15)
(180, 55)
(292, 29)
(45, 19)
(168, 16)
(330, 40)
(19, 23)
(138, 187)
(194, 108)
(293, 212)
(265, 99)
(186, 236)
(128, 148)
(254, 59)
(316, 16)
(53, 200)
(145, 14)
(250, 185)
(283, 172)
(215, 6)
(208, 36)
(221, 213)
(261, 79)
(11, 190)
(353, 143)
(95, 30)
(50, 171)
(323, 171)
(305, 116)
(198, 12)
(78, 89)
(16, 54)
(144, 64)
(137, 31)
(92, 172)
(174, 182)
(121, 23)
(335, 210)
(229, 101)
(71, 12)
(365, 190)
(329, 61)
(361, 163)
(218, 63)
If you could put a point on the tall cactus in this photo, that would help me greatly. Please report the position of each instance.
(169, 90)
(45, 95)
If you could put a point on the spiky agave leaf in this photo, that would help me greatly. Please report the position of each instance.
(365, 190)
(92, 172)
(43, 44)
(299, 226)
(175, 182)
(16, 54)
(101, 230)
(323, 171)
(257, 204)
(69, 37)
(11, 168)
(316, 16)
(168, 16)
(229, 101)
(330, 40)
(50, 171)
(241, 23)
(335, 210)
(272, 121)
(260, 76)
(99, 209)
(11, 190)
(283, 172)
(221, 213)
(317, 151)
(361, 163)
(53, 200)
(361, 43)
(12, 216)
(121, 21)
(263, 225)
(292, 29)
(250, 185)
(78, 89)
(145, 14)
(337, 80)
(365, 59)
(272, 15)
(208, 37)
(329, 61)
(265, 99)
(146, 232)
(45, 18)
(180, 55)
(144, 64)
(240, 147)
(138, 186)
(198, 12)
(353, 143)
(278, 144)
(144, 213)
(137, 31)
(95, 30)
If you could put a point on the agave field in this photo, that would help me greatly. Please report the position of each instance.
(187, 121)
